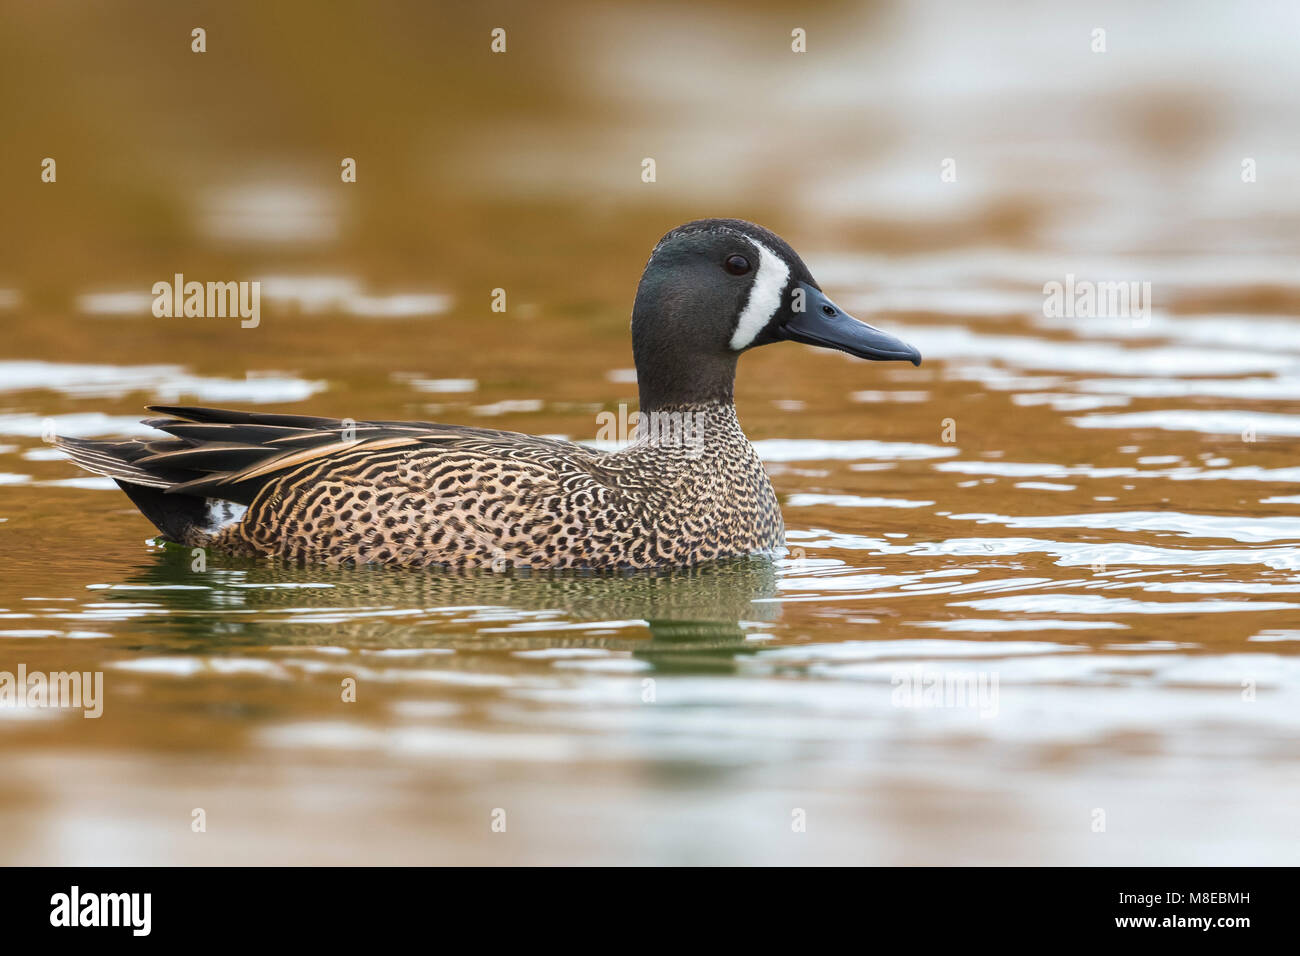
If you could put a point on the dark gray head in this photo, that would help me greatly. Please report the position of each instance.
(714, 288)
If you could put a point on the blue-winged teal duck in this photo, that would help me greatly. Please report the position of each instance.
(689, 489)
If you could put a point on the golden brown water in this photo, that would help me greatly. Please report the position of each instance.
(1099, 514)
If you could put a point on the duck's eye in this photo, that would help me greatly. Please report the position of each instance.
(737, 265)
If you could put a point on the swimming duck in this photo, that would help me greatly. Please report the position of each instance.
(689, 489)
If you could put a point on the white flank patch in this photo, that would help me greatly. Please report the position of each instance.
(764, 296)
(222, 514)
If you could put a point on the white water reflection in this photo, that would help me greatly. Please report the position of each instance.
(320, 294)
(852, 501)
(115, 381)
(1099, 604)
(1091, 357)
(1261, 389)
(810, 449)
(1237, 527)
(1211, 422)
(1063, 553)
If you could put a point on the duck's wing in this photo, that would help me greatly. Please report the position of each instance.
(231, 455)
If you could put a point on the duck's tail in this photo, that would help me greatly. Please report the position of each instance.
(178, 517)
(215, 461)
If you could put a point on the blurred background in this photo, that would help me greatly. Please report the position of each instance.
(1112, 532)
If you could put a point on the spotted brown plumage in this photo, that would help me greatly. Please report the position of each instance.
(426, 494)
(689, 489)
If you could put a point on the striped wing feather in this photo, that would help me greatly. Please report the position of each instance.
(221, 453)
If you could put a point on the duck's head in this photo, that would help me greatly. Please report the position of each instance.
(715, 288)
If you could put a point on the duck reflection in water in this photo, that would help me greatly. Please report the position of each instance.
(698, 617)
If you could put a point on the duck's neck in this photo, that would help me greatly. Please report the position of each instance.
(690, 434)
(674, 382)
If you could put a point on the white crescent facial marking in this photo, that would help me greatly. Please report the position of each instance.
(764, 296)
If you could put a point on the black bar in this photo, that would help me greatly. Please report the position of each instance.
(303, 905)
